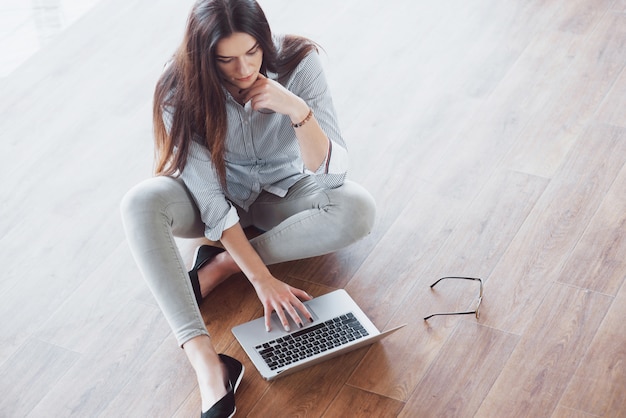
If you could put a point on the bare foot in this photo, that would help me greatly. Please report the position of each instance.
(215, 272)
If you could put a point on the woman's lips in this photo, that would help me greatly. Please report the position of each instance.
(245, 79)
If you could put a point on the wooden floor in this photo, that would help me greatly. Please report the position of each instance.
(492, 134)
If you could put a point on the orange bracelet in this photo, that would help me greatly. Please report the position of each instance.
(308, 117)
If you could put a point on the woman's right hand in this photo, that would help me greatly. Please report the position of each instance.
(277, 296)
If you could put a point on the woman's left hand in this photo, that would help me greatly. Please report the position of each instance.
(269, 94)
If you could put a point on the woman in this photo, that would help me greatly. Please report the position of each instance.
(245, 135)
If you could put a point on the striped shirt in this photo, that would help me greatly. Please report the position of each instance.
(262, 152)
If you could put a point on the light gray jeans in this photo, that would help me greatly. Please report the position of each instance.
(307, 222)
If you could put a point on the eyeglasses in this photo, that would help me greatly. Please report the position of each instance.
(480, 298)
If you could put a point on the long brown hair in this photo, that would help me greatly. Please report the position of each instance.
(191, 86)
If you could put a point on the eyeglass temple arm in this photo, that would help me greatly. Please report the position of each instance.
(449, 313)
(455, 277)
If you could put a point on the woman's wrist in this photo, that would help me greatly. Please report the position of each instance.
(300, 112)
(305, 120)
(260, 276)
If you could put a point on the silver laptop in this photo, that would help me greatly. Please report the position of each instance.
(339, 326)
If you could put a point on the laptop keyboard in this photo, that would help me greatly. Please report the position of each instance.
(311, 341)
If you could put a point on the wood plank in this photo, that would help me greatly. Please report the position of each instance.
(167, 378)
(97, 377)
(389, 274)
(598, 385)
(422, 29)
(100, 299)
(463, 372)
(60, 166)
(473, 248)
(619, 6)
(124, 96)
(599, 260)
(47, 273)
(612, 108)
(553, 228)
(514, 103)
(29, 373)
(577, 95)
(353, 402)
(582, 16)
(309, 392)
(562, 412)
(558, 336)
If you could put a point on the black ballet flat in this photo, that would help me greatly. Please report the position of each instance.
(204, 254)
(235, 370)
(225, 407)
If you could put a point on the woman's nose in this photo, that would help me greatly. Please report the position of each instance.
(243, 66)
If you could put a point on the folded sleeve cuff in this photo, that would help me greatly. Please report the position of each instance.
(214, 233)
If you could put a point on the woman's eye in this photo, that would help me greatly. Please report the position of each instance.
(223, 61)
(253, 51)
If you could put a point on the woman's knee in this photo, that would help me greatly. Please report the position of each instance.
(151, 199)
(162, 201)
(139, 200)
(365, 211)
(358, 210)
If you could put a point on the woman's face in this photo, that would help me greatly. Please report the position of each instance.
(239, 59)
